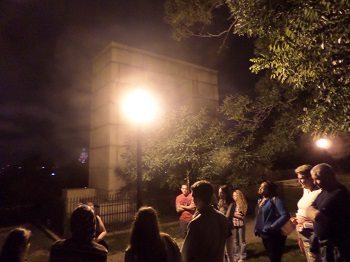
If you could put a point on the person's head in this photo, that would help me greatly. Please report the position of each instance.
(146, 223)
(304, 176)
(145, 238)
(268, 189)
(240, 200)
(323, 176)
(225, 193)
(16, 245)
(83, 223)
(202, 191)
(184, 190)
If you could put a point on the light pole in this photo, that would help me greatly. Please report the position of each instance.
(140, 107)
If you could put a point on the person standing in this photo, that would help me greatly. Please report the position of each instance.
(226, 207)
(147, 243)
(101, 231)
(81, 246)
(185, 208)
(330, 213)
(208, 230)
(271, 215)
(238, 232)
(304, 226)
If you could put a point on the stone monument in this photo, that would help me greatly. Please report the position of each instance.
(117, 70)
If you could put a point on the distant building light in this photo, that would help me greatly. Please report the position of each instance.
(53, 174)
(19, 167)
(42, 167)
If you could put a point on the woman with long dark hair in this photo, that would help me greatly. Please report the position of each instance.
(147, 243)
(226, 206)
(16, 245)
(271, 215)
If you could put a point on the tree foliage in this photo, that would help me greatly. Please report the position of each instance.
(187, 146)
(303, 44)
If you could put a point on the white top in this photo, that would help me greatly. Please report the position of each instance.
(306, 200)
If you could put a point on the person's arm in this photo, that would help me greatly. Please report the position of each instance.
(178, 206)
(191, 207)
(283, 213)
(188, 251)
(102, 229)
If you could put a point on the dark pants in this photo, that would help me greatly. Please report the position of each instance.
(183, 228)
(274, 246)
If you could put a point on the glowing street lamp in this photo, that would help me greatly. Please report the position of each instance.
(323, 143)
(140, 107)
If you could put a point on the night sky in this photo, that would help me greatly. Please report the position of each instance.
(47, 49)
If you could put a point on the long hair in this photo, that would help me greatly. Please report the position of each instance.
(15, 245)
(145, 239)
(241, 201)
(226, 190)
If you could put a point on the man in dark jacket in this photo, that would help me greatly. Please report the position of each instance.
(208, 230)
(331, 215)
(81, 246)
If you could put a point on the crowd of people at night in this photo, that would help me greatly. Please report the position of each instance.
(214, 231)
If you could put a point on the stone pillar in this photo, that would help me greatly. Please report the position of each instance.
(118, 69)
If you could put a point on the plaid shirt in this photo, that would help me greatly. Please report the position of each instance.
(238, 221)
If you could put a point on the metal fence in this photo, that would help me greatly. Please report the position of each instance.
(116, 210)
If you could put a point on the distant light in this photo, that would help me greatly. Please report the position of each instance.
(19, 167)
(53, 174)
(42, 167)
(323, 143)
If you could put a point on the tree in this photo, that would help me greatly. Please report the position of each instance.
(187, 146)
(303, 44)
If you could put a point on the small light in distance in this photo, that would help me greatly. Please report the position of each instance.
(53, 174)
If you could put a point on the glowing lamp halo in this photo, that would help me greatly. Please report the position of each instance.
(140, 106)
(323, 143)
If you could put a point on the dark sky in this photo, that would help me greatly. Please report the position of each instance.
(47, 49)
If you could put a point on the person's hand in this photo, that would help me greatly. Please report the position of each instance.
(238, 214)
(312, 213)
(294, 220)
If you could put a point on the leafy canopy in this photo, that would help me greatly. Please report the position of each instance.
(303, 44)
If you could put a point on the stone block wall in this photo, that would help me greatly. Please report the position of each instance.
(119, 69)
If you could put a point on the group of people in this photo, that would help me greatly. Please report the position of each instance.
(216, 233)
(322, 220)
(231, 205)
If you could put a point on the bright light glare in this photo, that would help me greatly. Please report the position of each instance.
(140, 106)
(323, 143)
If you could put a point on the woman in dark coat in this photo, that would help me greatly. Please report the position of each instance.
(271, 215)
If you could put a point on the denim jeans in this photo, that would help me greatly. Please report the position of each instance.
(239, 244)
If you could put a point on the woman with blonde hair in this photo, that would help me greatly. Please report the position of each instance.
(238, 231)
